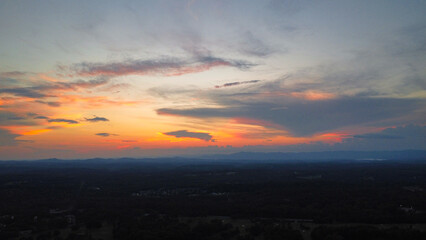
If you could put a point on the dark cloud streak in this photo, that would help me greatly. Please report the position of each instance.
(62, 120)
(231, 84)
(165, 66)
(105, 134)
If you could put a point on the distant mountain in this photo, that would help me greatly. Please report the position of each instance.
(328, 155)
(229, 158)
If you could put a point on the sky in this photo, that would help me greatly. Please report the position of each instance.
(84, 79)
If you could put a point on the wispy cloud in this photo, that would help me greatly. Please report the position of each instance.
(49, 89)
(164, 66)
(253, 46)
(186, 134)
(13, 74)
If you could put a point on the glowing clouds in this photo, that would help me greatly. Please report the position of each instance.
(313, 95)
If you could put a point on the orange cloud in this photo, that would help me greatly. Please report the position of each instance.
(36, 132)
(94, 101)
(25, 130)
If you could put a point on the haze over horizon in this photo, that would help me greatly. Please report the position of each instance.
(85, 79)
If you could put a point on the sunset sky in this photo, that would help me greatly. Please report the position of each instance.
(83, 79)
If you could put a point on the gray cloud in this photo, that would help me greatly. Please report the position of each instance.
(186, 134)
(396, 138)
(304, 118)
(409, 137)
(97, 119)
(54, 127)
(10, 118)
(407, 131)
(16, 118)
(41, 117)
(377, 136)
(8, 79)
(62, 120)
(236, 83)
(105, 134)
(23, 92)
(49, 103)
